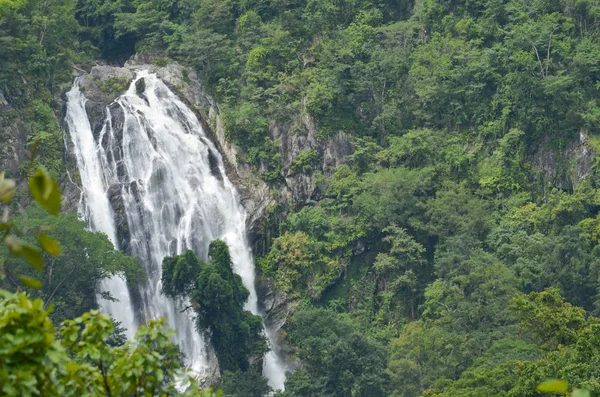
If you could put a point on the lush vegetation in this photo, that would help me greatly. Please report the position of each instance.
(87, 355)
(456, 252)
(71, 280)
(81, 358)
(217, 296)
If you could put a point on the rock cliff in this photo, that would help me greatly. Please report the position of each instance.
(103, 84)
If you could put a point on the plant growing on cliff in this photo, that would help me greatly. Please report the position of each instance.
(113, 85)
(217, 296)
(305, 162)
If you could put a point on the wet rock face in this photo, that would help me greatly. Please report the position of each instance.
(140, 87)
(565, 168)
(103, 84)
(277, 306)
(115, 197)
(13, 136)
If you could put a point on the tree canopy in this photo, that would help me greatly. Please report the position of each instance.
(454, 252)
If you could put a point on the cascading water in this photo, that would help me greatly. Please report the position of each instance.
(95, 207)
(171, 182)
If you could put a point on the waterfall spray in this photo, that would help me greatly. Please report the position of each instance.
(171, 181)
(94, 205)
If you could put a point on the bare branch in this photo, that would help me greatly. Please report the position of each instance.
(78, 69)
(57, 287)
(537, 54)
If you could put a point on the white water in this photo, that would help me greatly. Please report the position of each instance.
(176, 196)
(95, 208)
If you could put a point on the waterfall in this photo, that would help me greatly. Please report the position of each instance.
(95, 207)
(153, 160)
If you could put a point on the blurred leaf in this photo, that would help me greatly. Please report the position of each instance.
(45, 190)
(49, 245)
(34, 147)
(7, 188)
(553, 385)
(40, 185)
(14, 245)
(31, 282)
(580, 393)
(33, 256)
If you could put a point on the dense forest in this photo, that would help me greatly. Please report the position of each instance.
(455, 253)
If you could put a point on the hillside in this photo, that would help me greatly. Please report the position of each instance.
(420, 177)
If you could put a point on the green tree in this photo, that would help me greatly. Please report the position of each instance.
(464, 312)
(81, 362)
(244, 384)
(336, 360)
(392, 196)
(180, 274)
(71, 281)
(401, 273)
(551, 321)
(217, 296)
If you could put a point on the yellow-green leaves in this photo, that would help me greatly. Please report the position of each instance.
(45, 190)
(49, 245)
(30, 282)
(553, 385)
(33, 255)
(7, 188)
(560, 386)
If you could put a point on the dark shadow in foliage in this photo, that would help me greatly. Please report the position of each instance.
(244, 384)
(337, 361)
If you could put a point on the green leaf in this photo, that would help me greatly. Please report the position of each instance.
(31, 282)
(7, 188)
(34, 147)
(14, 245)
(580, 393)
(553, 385)
(33, 256)
(40, 185)
(45, 190)
(49, 245)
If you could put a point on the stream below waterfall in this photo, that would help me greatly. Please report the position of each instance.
(152, 163)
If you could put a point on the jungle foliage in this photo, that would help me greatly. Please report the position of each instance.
(457, 247)
(217, 297)
(86, 355)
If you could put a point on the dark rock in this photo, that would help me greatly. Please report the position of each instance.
(564, 169)
(140, 86)
(115, 197)
(214, 165)
(13, 138)
(275, 304)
